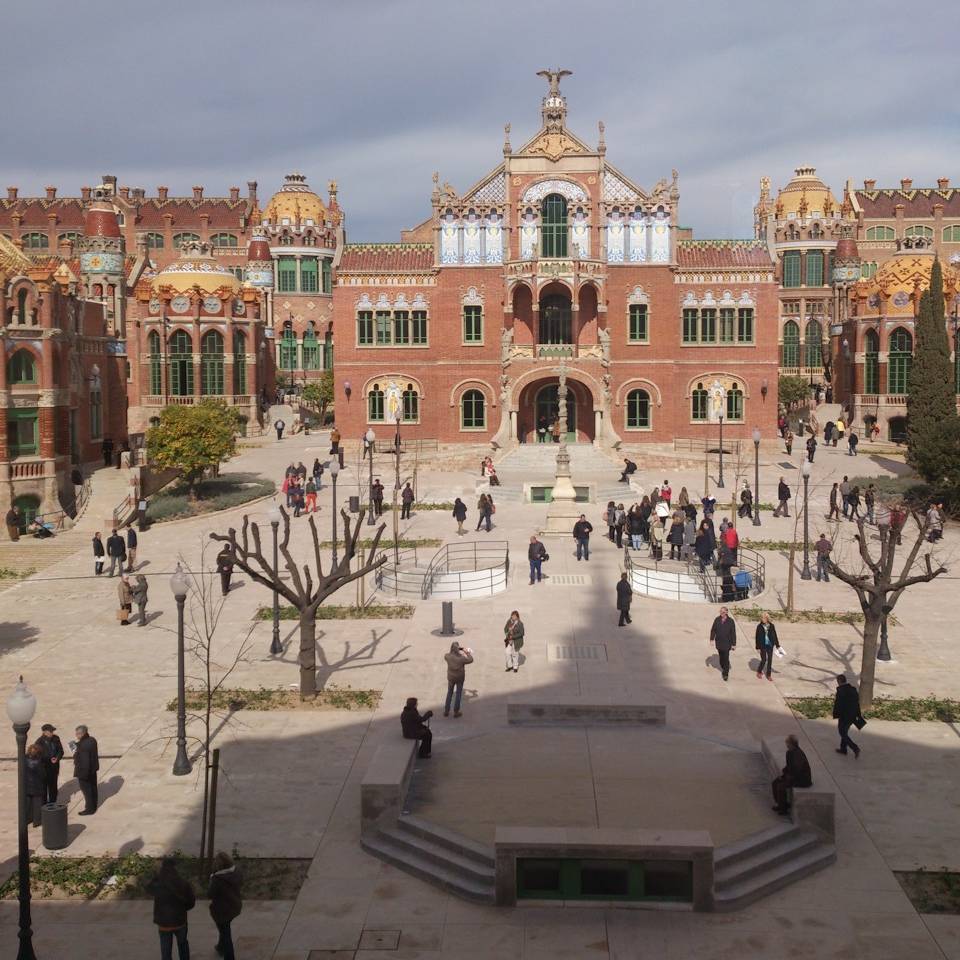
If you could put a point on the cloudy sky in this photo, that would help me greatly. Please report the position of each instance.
(378, 94)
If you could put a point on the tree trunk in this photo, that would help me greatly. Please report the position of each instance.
(308, 655)
(868, 666)
(791, 573)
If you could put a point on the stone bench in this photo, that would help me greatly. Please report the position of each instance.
(812, 808)
(586, 712)
(385, 784)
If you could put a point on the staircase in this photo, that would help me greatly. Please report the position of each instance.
(446, 859)
(536, 463)
(756, 866)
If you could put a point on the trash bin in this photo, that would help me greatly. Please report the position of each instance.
(447, 629)
(354, 505)
(53, 819)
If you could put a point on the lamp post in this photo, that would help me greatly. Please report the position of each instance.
(720, 478)
(756, 477)
(21, 706)
(181, 765)
(806, 470)
(369, 437)
(275, 516)
(334, 470)
(883, 651)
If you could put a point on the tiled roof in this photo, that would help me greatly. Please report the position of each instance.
(916, 203)
(723, 254)
(374, 257)
(35, 210)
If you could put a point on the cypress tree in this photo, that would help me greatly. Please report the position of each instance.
(931, 402)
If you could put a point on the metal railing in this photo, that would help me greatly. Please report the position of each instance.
(491, 557)
(654, 579)
(748, 561)
(706, 444)
(83, 498)
(122, 510)
(694, 582)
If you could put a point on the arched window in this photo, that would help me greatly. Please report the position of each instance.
(698, 404)
(311, 349)
(917, 230)
(900, 359)
(35, 241)
(70, 235)
(867, 270)
(871, 362)
(224, 240)
(288, 348)
(813, 344)
(180, 353)
(286, 240)
(554, 225)
(154, 241)
(22, 305)
(734, 402)
(880, 233)
(473, 412)
(211, 364)
(790, 351)
(411, 404)
(951, 234)
(179, 239)
(153, 348)
(239, 362)
(22, 367)
(638, 410)
(375, 403)
(328, 350)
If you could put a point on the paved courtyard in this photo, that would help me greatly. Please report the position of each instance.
(291, 785)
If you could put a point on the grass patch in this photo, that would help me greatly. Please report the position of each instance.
(375, 611)
(264, 698)
(912, 489)
(389, 544)
(7, 574)
(819, 615)
(931, 891)
(219, 493)
(771, 544)
(884, 708)
(124, 878)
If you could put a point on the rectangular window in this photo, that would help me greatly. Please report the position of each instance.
(22, 434)
(638, 332)
(726, 324)
(156, 383)
(383, 326)
(287, 275)
(419, 327)
(698, 406)
(365, 328)
(327, 275)
(791, 268)
(708, 326)
(745, 325)
(690, 326)
(871, 373)
(791, 308)
(375, 405)
(309, 278)
(473, 324)
(734, 404)
(814, 268)
(401, 327)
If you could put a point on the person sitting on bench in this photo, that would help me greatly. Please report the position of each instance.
(415, 727)
(795, 774)
(629, 468)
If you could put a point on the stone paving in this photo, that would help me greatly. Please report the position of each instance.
(291, 785)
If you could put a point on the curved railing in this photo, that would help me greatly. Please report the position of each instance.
(456, 571)
(664, 580)
(748, 562)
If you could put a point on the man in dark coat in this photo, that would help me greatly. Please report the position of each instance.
(535, 554)
(278, 425)
(406, 500)
(629, 467)
(226, 902)
(414, 726)
(172, 898)
(796, 773)
(225, 568)
(116, 551)
(624, 596)
(581, 533)
(51, 750)
(846, 711)
(783, 499)
(86, 763)
(723, 635)
(377, 493)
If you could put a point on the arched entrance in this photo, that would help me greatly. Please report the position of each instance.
(539, 406)
(556, 315)
(547, 409)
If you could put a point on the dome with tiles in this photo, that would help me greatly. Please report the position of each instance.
(196, 267)
(295, 203)
(13, 261)
(807, 197)
(907, 271)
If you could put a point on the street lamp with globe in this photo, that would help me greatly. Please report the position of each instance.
(756, 477)
(334, 473)
(369, 437)
(805, 471)
(21, 706)
(180, 586)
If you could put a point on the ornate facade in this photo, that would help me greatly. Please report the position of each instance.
(555, 257)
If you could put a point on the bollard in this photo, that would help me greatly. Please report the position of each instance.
(447, 629)
(354, 504)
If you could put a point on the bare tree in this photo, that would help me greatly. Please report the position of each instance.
(878, 589)
(305, 590)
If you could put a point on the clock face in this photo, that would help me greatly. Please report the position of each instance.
(155, 305)
(211, 304)
(180, 304)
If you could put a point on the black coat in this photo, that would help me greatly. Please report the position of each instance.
(624, 595)
(50, 747)
(773, 636)
(116, 546)
(675, 536)
(86, 759)
(846, 703)
(797, 771)
(172, 898)
(412, 724)
(131, 538)
(225, 562)
(225, 900)
(460, 511)
(582, 529)
(98, 550)
(536, 551)
(783, 491)
(34, 777)
(723, 634)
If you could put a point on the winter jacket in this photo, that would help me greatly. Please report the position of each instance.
(115, 546)
(412, 723)
(224, 891)
(675, 537)
(536, 551)
(723, 633)
(124, 594)
(172, 898)
(460, 511)
(846, 703)
(635, 523)
(771, 636)
(224, 562)
(407, 495)
(50, 748)
(34, 777)
(514, 632)
(624, 595)
(98, 550)
(86, 758)
(689, 533)
(457, 660)
(131, 538)
(783, 492)
(582, 530)
(797, 771)
(138, 592)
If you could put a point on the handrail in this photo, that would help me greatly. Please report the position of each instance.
(491, 559)
(118, 510)
(80, 502)
(710, 582)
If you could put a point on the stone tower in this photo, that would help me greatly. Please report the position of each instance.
(102, 255)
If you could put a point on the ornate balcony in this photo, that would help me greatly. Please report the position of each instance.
(555, 268)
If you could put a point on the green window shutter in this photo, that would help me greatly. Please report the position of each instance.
(156, 380)
(384, 328)
(419, 327)
(411, 405)
(375, 404)
(814, 268)
(211, 364)
(239, 362)
(288, 350)
(638, 332)
(327, 275)
(638, 410)
(309, 276)
(554, 226)
(871, 364)
(22, 432)
(287, 274)
(311, 351)
(790, 354)
(365, 328)
(690, 316)
(698, 404)
(708, 325)
(900, 361)
(472, 324)
(726, 324)
(734, 404)
(791, 268)
(745, 325)
(401, 327)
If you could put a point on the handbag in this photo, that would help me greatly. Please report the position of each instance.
(122, 614)
(545, 557)
(860, 723)
(780, 652)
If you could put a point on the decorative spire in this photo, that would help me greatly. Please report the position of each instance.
(507, 149)
(602, 142)
(554, 106)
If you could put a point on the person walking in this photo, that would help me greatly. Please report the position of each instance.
(513, 632)
(536, 553)
(811, 448)
(823, 547)
(457, 660)
(86, 763)
(116, 551)
(624, 598)
(125, 596)
(845, 495)
(225, 568)
(138, 593)
(746, 502)
(106, 448)
(278, 425)
(311, 496)
(788, 439)
(298, 498)
(783, 499)
(377, 492)
(767, 642)
(854, 500)
(846, 711)
(619, 522)
(173, 898)
(317, 473)
(460, 515)
(828, 428)
(852, 442)
(226, 901)
(51, 753)
(796, 773)
(98, 554)
(834, 502)
(406, 501)
(14, 522)
(416, 726)
(581, 534)
(131, 548)
(610, 518)
(869, 501)
(723, 635)
(838, 431)
(675, 536)
(934, 524)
